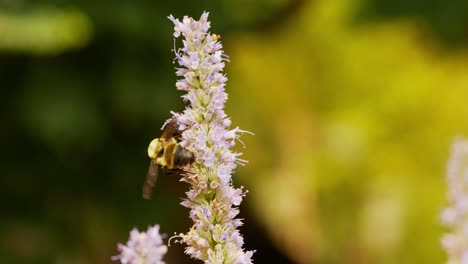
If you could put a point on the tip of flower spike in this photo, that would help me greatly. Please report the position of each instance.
(145, 245)
(190, 27)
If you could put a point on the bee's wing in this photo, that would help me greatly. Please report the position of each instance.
(150, 181)
(170, 129)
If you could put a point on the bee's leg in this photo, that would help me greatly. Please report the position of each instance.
(172, 172)
(187, 171)
(178, 172)
(179, 136)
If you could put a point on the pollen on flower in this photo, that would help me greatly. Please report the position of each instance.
(215, 37)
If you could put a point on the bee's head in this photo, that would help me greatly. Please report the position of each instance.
(154, 148)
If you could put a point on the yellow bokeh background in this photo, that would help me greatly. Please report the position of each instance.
(352, 126)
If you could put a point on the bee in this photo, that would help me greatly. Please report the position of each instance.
(167, 155)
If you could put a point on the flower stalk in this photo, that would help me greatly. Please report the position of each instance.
(212, 199)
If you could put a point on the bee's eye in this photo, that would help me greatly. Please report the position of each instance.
(161, 152)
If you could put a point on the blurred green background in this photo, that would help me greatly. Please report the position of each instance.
(353, 104)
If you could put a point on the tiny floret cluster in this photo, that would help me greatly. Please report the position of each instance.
(455, 216)
(143, 248)
(212, 199)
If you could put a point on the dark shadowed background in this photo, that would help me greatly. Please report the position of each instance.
(353, 104)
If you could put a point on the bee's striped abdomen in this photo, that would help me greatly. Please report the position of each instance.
(169, 155)
(183, 157)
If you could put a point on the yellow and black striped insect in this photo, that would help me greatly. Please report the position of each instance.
(167, 155)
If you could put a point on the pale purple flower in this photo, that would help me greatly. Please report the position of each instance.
(214, 237)
(455, 216)
(142, 248)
